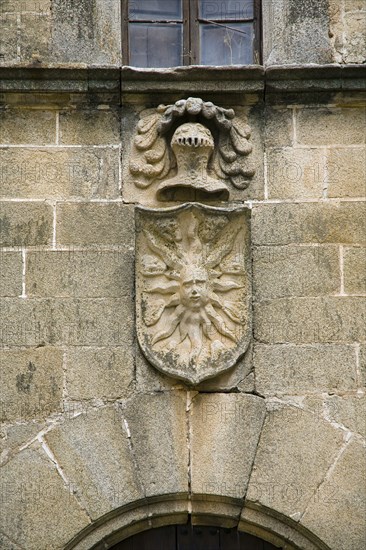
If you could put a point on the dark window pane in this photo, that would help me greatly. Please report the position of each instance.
(155, 10)
(219, 10)
(155, 45)
(230, 45)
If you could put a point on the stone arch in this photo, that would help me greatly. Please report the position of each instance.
(142, 516)
(157, 458)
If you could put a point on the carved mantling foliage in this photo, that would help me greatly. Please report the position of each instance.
(210, 131)
(192, 292)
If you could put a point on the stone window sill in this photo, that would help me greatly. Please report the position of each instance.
(192, 79)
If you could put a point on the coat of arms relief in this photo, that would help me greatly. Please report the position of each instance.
(193, 287)
(191, 150)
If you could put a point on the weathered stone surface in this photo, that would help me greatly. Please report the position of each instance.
(336, 28)
(234, 78)
(296, 32)
(34, 35)
(84, 32)
(240, 376)
(254, 117)
(362, 365)
(247, 385)
(6, 544)
(348, 410)
(295, 451)
(295, 173)
(312, 402)
(278, 127)
(59, 173)
(307, 320)
(341, 496)
(26, 26)
(309, 222)
(295, 271)
(13, 436)
(331, 125)
(25, 224)
(225, 429)
(347, 30)
(89, 224)
(355, 270)
(196, 260)
(297, 369)
(346, 172)
(8, 38)
(47, 513)
(74, 322)
(148, 378)
(355, 37)
(31, 383)
(10, 273)
(237, 377)
(354, 5)
(157, 424)
(90, 127)
(93, 451)
(80, 273)
(99, 373)
(27, 127)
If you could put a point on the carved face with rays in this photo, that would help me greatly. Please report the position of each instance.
(196, 317)
(192, 290)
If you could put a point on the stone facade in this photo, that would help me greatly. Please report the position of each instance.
(95, 443)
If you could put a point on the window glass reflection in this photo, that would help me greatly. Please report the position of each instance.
(155, 45)
(219, 10)
(230, 45)
(155, 10)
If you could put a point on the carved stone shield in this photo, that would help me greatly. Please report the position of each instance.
(193, 288)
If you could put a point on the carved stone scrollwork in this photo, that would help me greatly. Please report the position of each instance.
(193, 310)
(201, 148)
(192, 292)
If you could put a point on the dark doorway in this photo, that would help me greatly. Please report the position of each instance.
(189, 537)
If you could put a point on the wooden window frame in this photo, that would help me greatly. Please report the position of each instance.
(191, 21)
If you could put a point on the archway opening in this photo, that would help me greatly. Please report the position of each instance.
(139, 526)
(193, 537)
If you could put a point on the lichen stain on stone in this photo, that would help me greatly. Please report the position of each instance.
(5, 225)
(55, 388)
(43, 229)
(313, 9)
(28, 231)
(24, 380)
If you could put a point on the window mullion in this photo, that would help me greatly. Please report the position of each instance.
(257, 29)
(125, 33)
(194, 31)
(186, 33)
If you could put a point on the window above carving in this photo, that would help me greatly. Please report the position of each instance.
(168, 33)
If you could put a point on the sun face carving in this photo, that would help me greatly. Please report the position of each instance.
(195, 314)
(191, 278)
